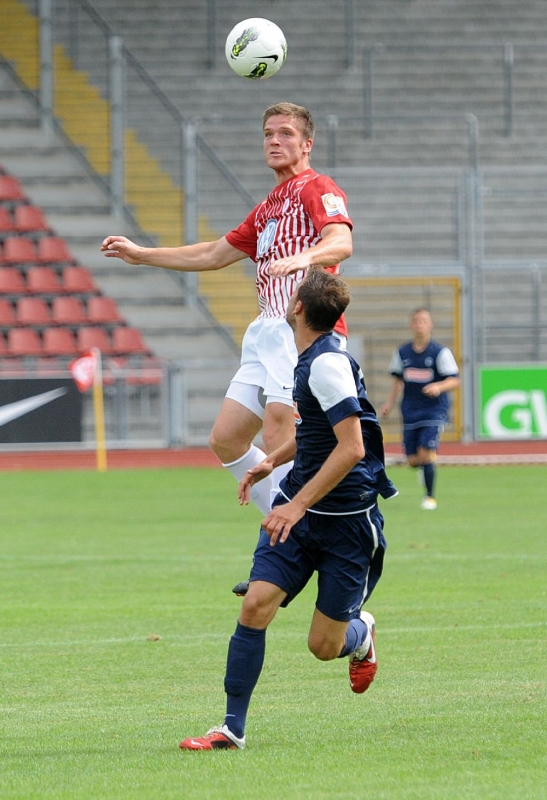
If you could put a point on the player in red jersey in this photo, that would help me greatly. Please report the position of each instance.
(303, 221)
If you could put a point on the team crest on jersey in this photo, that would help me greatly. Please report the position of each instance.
(297, 417)
(266, 238)
(334, 205)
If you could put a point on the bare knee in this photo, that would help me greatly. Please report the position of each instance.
(426, 456)
(258, 610)
(226, 448)
(324, 649)
(217, 444)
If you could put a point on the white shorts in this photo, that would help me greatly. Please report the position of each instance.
(268, 359)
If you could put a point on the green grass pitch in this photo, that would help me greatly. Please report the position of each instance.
(96, 566)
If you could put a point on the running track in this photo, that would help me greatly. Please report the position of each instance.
(521, 452)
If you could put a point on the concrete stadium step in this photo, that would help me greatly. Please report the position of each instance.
(175, 52)
(77, 209)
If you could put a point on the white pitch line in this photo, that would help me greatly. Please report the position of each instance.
(198, 638)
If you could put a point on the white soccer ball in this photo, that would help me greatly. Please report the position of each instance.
(256, 48)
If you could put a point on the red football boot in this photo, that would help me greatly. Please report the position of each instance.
(363, 663)
(219, 738)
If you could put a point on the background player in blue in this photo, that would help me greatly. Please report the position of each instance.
(325, 519)
(425, 372)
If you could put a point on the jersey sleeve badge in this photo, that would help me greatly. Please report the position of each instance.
(334, 205)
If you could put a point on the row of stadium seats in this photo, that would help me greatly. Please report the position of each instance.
(47, 250)
(124, 340)
(36, 311)
(25, 219)
(50, 306)
(46, 280)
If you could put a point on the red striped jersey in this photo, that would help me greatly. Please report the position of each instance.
(287, 222)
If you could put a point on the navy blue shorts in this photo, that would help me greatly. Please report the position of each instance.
(427, 436)
(346, 551)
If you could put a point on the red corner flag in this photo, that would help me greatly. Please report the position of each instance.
(86, 372)
(83, 371)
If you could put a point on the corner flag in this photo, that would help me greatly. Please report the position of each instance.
(87, 372)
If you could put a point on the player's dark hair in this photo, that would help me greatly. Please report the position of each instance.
(325, 297)
(299, 113)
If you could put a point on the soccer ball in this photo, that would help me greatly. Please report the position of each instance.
(256, 48)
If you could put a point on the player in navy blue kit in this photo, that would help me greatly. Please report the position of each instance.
(325, 518)
(425, 372)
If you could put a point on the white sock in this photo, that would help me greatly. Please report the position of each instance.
(277, 476)
(261, 491)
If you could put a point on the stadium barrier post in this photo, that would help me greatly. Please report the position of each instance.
(46, 92)
(116, 91)
(189, 133)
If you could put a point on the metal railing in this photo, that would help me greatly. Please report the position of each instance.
(144, 406)
(505, 54)
(110, 73)
(192, 150)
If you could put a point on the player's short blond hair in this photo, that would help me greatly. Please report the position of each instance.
(299, 113)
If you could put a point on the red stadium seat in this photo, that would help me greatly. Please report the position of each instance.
(68, 311)
(102, 310)
(33, 311)
(19, 250)
(24, 342)
(7, 313)
(3, 345)
(59, 342)
(43, 280)
(94, 337)
(128, 341)
(78, 280)
(29, 218)
(54, 250)
(12, 281)
(10, 189)
(6, 221)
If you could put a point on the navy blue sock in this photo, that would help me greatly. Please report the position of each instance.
(355, 636)
(243, 668)
(429, 478)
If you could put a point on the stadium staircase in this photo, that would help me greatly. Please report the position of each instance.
(150, 191)
(452, 66)
(449, 64)
(63, 175)
(52, 312)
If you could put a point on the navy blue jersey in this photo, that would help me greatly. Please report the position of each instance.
(329, 387)
(416, 370)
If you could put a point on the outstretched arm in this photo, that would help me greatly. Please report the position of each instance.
(188, 258)
(336, 245)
